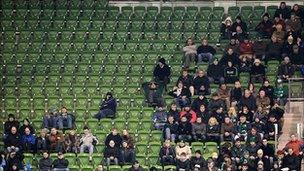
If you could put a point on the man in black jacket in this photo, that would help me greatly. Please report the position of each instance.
(198, 160)
(61, 164)
(205, 52)
(167, 154)
(112, 153)
(286, 69)
(162, 73)
(201, 83)
(170, 129)
(184, 130)
(45, 163)
(200, 100)
(11, 122)
(115, 137)
(12, 141)
(215, 72)
(291, 161)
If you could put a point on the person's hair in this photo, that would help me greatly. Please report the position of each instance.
(213, 121)
(189, 38)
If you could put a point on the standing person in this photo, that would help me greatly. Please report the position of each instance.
(61, 164)
(205, 52)
(88, 141)
(107, 107)
(45, 163)
(189, 53)
(162, 73)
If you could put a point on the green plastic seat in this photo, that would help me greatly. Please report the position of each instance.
(246, 13)
(271, 10)
(204, 14)
(217, 13)
(114, 168)
(191, 12)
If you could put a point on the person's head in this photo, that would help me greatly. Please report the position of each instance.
(295, 7)
(266, 17)
(290, 39)
(13, 130)
(290, 151)
(215, 96)
(202, 108)
(27, 131)
(265, 141)
(43, 133)
(86, 131)
(185, 73)
(198, 154)
(124, 144)
(210, 163)
(227, 120)
(251, 86)
(229, 51)
(242, 118)
(237, 142)
(262, 93)
(181, 144)
(252, 142)
(245, 167)
(167, 143)
(180, 84)
(279, 27)
(184, 119)
(257, 62)
(11, 117)
(114, 131)
(212, 121)
(282, 5)
(111, 143)
(60, 155)
(228, 21)
(286, 60)
(125, 132)
(26, 122)
(64, 110)
(245, 109)
(237, 84)
(238, 19)
(219, 110)
(136, 164)
(253, 131)
(170, 119)
(100, 168)
(204, 41)
(247, 93)
(201, 95)
(200, 73)
(266, 83)
(161, 62)
(223, 86)
(215, 61)
(72, 132)
(109, 95)
(187, 108)
(199, 120)
(274, 39)
(293, 137)
(173, 106)
(183, 156)
(229, 64)
(189, 42)
(239, 29)
(45, 154)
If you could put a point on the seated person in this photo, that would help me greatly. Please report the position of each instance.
(198, 160)
(237, 151)
(152, 94)
(127, 153)
(248, 100)
(279, 33)
(26, 124)
(242, 128)
(181, 94)
(216, 102)
(61, 164)
(65, 120)
(236, 92)
(283, 12)
(230, 55)
(201, 83)
(167, 154)
(12, 141)
(159, 118)
(246, 50)
(184, 130)
(213, 130)
(45, 163)
(262, 101)
(264, 28)
(114, 135)
(88, 141)
(240, 23)
(11, 122)
(205, 52)
(199, 130)
(259, 48)
(224, 94)
(28, 141)
(170, 129)
(42, 142)
(240, 33)
(107, 107)
(50, 119)
(227, 130)
(112, 153)
(273, 50)
(231, 73)
(286, 69)
(257, 72)
(183, 163)
(226, 28)
(189, 53)
(162, 73)
(188, 113)
(136, 167)
(186, 79)
(215, 72)
(200, 100)
(182, 147)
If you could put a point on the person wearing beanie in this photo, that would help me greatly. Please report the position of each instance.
(162, 73)
(264, 28)
(107, 107)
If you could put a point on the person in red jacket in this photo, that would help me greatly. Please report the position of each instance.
(246, 50)
(295, 144)
(188, 113)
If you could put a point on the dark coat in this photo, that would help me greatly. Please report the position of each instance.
(215, 71)
(60, 163)
(206, 49)
(112, 151)
(201, 81)
(8, 125)
(187, 81)
(12, 140)
(45, 164)
(184, 128)
(183, 165)
(291, 162)
(116, 138)
(162, 73)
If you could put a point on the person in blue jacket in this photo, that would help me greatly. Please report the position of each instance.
(107, 107)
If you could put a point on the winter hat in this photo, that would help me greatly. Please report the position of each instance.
(162, 60)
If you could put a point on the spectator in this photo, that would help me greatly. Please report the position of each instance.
(205, 52)
(112, 153)
(224, 94)
(236, 93)
(65, 120)
(242, 128)
(159, 118)
(268, 149)
(237, 151)
(72, 142)
(26, 124)
(127, 153)
(213, 130)
(234, 44)
(42, 142)
(50, 119)
(263, 101)
(298, 12)
(269, 90)
(181, 94)
(152, 94)
(204, 114)
(167, 154)
(183, 163)
(198, 160)
(215, 103)
(231, 56)
(226, 28)
(162, 73)
(199, 130)
(248, 100)
(88, 141)
(227, 130)
(231, 73)
(246, 50)
(189, 53)
(12, 141)
(53, 138)
(240, 23)
(61, 164)
(273, 50)
(218, 114)
(115, 137)
(200, 100)
(283, 11)
(279, 33)
(11, 122)
(264, 28)
(14, 161)
(28, 141)
(188, 113)
(45, 163)
(174, 112)
(295, 145)
(107, 107)
(297, 56)
(100, 168)
(278, 21)
(184, 130)
(181, 148)
(201, 83)
(247, 113)
(215, 72)
(288, 46)
(210, 165)
(259, 49)
(252, 89)
(258, 71)
(286, 69)
(240, 33)
(265, 162)
(252, 148)
(136, 167)
(253, 135)
(128, 138)
(291, 160)
(186, 79)
(170, 129)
